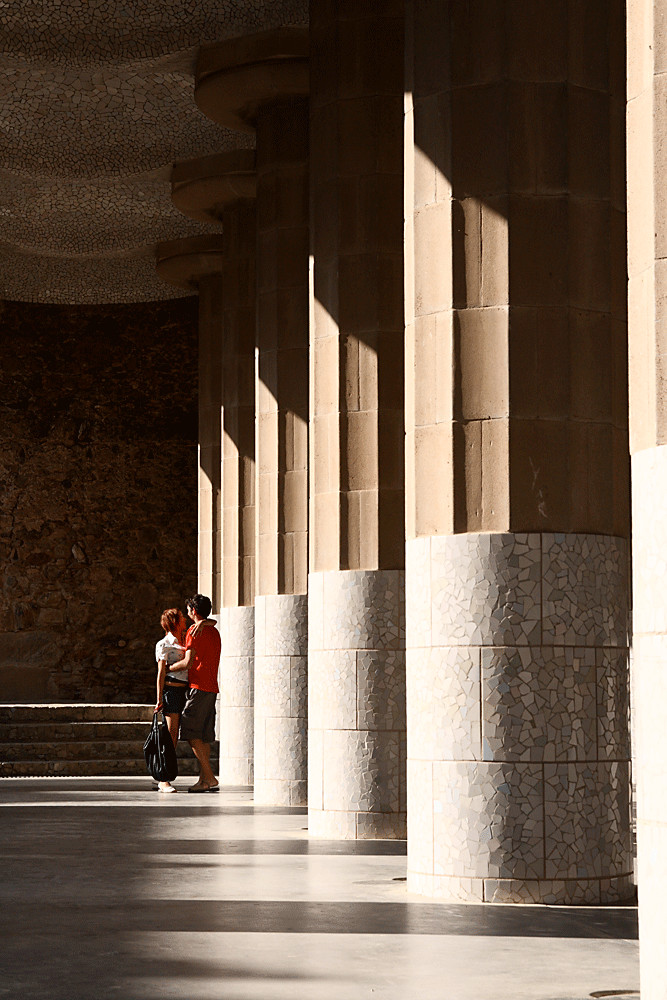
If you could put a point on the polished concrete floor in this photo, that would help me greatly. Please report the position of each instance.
(111, 890)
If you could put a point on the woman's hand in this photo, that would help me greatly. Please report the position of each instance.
(157, 707)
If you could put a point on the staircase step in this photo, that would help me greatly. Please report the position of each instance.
(75, 713)
(80, 740)
(38, 732)
(187, 767)
(55, 750)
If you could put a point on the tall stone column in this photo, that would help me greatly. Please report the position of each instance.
(647, 266)
(196, 264)
(357, 538)
(221, 189)
(271, 100)
(517, 485)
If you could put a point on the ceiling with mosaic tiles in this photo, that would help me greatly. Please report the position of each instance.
(97, 104)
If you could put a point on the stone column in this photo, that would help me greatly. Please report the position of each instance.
(195, 264)
(271, 100)
(517, 484)
(221, 189)
(357, 540)
(647, 266)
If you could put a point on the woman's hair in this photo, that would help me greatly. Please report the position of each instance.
(173, 621)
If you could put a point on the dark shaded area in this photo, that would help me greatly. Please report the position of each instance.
(368, 848)
(98, 406)
(326, 917)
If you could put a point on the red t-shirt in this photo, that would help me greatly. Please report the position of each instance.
(203, 672)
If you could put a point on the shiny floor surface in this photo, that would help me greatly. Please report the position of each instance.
(109, 889)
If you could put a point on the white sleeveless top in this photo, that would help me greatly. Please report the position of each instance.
(170, 650)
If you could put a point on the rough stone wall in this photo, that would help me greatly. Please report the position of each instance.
(98, 498)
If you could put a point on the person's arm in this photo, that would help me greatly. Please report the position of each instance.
(161, 673)
(183, 664)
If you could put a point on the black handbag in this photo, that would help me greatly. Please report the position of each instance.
(160, 752)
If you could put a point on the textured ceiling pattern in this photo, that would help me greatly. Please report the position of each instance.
(97, 104)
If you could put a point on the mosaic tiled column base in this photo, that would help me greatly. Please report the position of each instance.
(281, 700)
(517, 694)
(356, 704)
(649, 670)
(237, 628)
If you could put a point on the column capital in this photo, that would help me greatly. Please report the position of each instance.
(186, 262)
(235, 78)
(204, 187)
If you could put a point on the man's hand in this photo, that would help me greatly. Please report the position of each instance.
(183, 664)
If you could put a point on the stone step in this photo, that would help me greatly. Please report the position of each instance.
(187, 767)
(75, 713)
(37, 732)
(80, 740)
(73, 750)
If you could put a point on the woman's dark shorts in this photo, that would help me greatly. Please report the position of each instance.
(198, 719)
(173, 700)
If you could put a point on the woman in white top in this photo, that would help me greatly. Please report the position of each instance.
(171, 685)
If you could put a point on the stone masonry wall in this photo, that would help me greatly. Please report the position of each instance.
(98, 495)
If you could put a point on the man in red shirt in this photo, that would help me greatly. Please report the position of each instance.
(202, 657)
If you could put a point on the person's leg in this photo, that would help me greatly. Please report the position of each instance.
(172, 725)
(202, 752)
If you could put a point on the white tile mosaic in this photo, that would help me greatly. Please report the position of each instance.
(613, 704)
(485, 589)
(332, 689)
(418, 594)
(488, 820)
(237, 627)
(332, 825)
(281, 684)
(315, 771)
(380, 689)
(587, 820)
(381, 826)
(539, 620)
(356, 702)
(236, 682)
(315, 611)
(402, 771)
(649, 689)
(584, 590)
(286, 748)
(560, 892)
(299, 687)
(364, 609)
(446, 887)
(259, 740)
(443, 695)
(285, 624)
(272, 686)
(361, 771)
(420, 816)
(649, 699)
(538, 703)
(652, 852)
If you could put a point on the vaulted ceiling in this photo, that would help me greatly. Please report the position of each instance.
(97, 103)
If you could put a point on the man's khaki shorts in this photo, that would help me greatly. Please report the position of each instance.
(198, 718)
